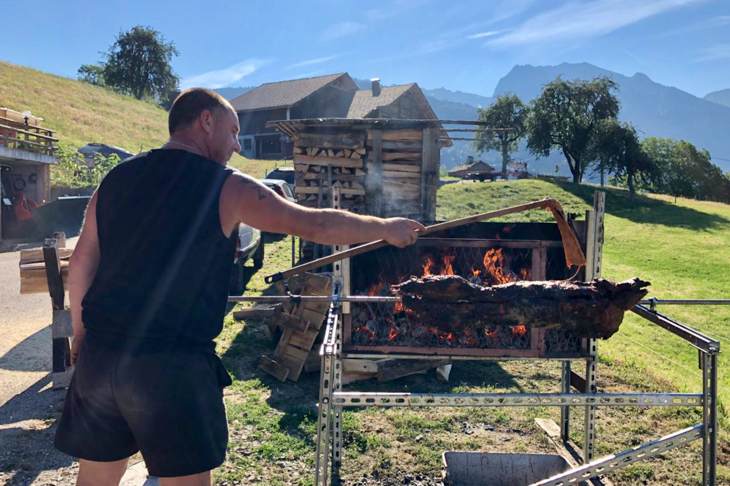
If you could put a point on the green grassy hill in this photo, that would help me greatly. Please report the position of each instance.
(81, 113)
(683, 249)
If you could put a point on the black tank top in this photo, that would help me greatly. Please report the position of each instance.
(165, 263)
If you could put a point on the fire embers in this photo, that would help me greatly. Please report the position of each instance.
(386, 324)
(392, 325)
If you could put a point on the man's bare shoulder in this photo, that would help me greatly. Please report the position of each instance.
(242, 185)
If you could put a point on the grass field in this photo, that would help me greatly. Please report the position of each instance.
(681, 248)
(81, 113)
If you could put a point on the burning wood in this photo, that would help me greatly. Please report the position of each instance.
(453, 305)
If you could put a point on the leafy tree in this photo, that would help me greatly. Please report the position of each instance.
(567, 116)
(507, 112)
(680, 167)
(620, 152)
(138, 64)
(170, 99)
(92, 74)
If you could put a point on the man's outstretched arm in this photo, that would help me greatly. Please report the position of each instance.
(256, 205)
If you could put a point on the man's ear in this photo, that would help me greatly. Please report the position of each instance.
(207, 120)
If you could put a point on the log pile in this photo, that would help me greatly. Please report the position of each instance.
(453, 304)
(336, 159)
(398, 172)
(377, 172)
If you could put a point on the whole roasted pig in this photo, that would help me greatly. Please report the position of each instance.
(453, 304)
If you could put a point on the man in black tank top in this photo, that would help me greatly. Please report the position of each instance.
(148, 285)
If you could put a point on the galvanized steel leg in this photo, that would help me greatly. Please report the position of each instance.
(323, 422)
(709, 419)
(590, 416)
(565, 411)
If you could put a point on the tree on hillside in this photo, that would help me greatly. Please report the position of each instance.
(507, 112)
(567, 116)
(138, 64)
(620, 153)
(92, 74)
(679, 170)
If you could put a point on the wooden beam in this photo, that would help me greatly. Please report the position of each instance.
(325, 190)
(273, 368)
(351, 140)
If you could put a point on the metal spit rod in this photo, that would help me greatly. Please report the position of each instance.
(685, 302)
(312, 298)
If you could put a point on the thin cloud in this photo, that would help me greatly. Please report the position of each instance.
(701, 25)
(342, 29)
(713, 53)
(485, 34)
(585, 20)
(311, 62)
(224, 77)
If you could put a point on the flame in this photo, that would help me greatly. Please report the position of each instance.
(428, 266)
(494, 263)
(370, 334)
(525, 274)
(448, 268)
(519, 330)
(393, 334)
(398, 308)
(476, 272)
(375, 288)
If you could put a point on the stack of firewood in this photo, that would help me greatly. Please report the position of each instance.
(352, 161)
(400, 178)
(324, 159)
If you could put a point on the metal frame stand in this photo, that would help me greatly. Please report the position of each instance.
(332, 399)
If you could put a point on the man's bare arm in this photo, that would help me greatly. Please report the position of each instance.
(81, 271)
(256, 205)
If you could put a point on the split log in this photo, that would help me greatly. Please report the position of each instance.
(322, 140)
(453, 304)
(325, 161)
(413, 156)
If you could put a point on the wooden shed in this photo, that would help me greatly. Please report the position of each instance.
(383, 167)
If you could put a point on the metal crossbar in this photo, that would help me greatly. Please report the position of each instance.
(610, 463)
(375, 399)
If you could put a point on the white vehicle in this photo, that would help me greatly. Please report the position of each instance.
(249, 245)
(281, 187)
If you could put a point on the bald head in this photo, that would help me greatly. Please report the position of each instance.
(189, 105)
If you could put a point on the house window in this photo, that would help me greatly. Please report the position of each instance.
(247, 144)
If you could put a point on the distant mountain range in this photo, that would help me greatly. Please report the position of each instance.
(721, 97)
(654, 109)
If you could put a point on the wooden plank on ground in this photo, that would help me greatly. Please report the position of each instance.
(273, 368)
(390, 370)
(38, 285)
(254, 312)
(289, 321)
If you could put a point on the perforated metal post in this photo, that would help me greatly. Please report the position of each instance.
(709, 418)
(342, 279)
(594, 252)
(565, 411)
(328, 352)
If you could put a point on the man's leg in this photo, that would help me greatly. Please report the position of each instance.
(202, 479)
(93, 473)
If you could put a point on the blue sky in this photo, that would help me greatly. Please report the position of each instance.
(460, 45)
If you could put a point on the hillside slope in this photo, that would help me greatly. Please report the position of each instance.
(81, 113)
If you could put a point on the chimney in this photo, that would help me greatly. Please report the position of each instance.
(470, 159)
(376, 86)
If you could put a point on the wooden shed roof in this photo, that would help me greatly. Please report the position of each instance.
(284, 94)
(292, 127)
(477, 166)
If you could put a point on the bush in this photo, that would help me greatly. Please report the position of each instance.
(73, 171)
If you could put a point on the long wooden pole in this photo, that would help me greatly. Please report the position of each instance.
(543, 203)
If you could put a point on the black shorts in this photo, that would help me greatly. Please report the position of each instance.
(168, 404)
